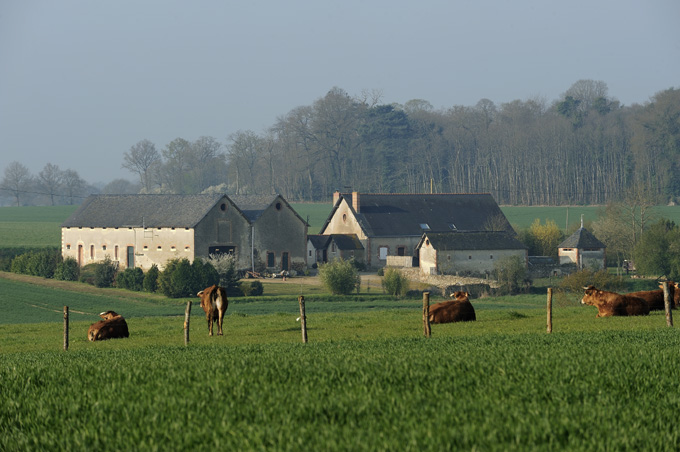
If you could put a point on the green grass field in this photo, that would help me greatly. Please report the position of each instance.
(367, 379)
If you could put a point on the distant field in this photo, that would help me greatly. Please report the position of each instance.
(40, 226)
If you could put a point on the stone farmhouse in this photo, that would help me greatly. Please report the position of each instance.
(142, 230)
(324, 248)
(392, 225)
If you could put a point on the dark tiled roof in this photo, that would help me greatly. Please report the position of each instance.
(580, 239)
(347, 241)
(391, 215)
(252, 206)
(153, 211)
(319, 242)
(486, 240)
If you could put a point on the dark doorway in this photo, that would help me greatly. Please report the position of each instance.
(284, 261)
(271, 261)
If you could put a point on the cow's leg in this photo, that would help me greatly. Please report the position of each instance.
(209, 317)
(220, 319)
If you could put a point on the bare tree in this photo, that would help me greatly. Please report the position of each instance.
(50, 180)
(73, 184)
(141, 157)
(17, 180)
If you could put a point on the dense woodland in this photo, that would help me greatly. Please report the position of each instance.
(585, 148)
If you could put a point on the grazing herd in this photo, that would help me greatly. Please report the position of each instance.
(214, 303)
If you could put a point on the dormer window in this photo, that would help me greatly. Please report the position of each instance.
(452, 226)
(424, 226)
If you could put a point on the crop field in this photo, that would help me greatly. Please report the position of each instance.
(367, 379)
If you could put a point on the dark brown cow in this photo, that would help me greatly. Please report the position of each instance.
(614, 304)
(458, 310)
(214, 302)
(654, 298)
(113, 326)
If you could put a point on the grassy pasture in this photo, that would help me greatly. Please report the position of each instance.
(367, 380)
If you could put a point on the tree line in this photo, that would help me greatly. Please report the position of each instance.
(584, 148)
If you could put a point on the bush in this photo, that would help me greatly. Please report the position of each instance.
(339, 277)
(601, 279)
(87, 274)
(67, 270)
(131, 279)
(105, 272)
(252, 289)
(183, 279)
(225, 265)
(205, 275)
(394, 283)
(37, 263)
(511, 274)
(150, 283)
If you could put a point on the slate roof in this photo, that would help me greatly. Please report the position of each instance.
(152, 211)
(398, 215)
(486, 240)
(319, 242)
(347, 241)
(580, 239)
(252, 206)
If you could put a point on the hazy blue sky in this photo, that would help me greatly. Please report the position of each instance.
(81, 81)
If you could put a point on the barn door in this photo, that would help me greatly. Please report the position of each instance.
(130, 257)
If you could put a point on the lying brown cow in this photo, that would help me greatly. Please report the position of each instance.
(113, 326)
(614, 304)
(654, 298)
(458, 310)
(214, 302)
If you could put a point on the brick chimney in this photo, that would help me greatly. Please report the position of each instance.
(355, 201)
(336, 196)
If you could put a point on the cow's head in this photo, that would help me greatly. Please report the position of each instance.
(461, 296)
(590, 295)
(108, 315)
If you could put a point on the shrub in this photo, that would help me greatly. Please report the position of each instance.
(37, 263)
(339, 277)
(175, 280)
(601, 279)
(87, 274)
(511, 273)
(381, 271)
(252, 289)
(394, 283)
(131, 279)
(67, 270)
(105, 272)
(225, 265)
(205, 275)
(150, 283)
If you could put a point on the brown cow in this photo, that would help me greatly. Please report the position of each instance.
(458, 310)
(113, 326)
(610, 303)
(654, 298)
(214, 302)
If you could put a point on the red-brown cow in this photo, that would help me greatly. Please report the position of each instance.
(458, 310)
(654, 298)
(614, 304)
(214, 302)
(112, 327)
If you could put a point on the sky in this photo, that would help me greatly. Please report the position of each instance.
(82, 81)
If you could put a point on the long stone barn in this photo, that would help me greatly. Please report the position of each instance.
(142, 230)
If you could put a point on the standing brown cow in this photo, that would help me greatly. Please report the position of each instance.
(654, 298)
(458, 310)
(614, 304)
(214, 302)
(113, 326)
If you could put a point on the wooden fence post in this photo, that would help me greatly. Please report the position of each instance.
(427, 329)
(549, 309)
(65, 327)
(667, 304)
(303, 318)
(187, 315)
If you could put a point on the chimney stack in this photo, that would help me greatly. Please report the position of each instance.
(336, 196)
(355, 201)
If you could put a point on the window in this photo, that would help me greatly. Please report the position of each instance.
(278, 206)
(469, 257)
(271, 260)
(223, 207)
(382, 252)
(491, 256)
(172, 248)
(452, 226)
(104, 247)
(186, 248)
(115, 252)
(344, 218)
(310, 253)
(68, 246)
(401, 251)
(146, 247)
(160, 248)
(91, 251)
(424, 226)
